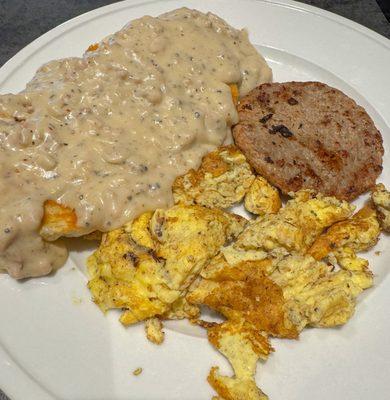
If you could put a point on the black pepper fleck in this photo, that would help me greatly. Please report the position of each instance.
(282, 129)
(292, 101)
(155, 256)
(265, 118)
(131, 257)
(268, 160)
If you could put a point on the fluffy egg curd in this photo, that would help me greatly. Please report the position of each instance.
(287, 268)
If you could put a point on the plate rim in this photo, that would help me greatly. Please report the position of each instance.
(14, 62)
(11, 372)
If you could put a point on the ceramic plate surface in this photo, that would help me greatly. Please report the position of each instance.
(56, 344)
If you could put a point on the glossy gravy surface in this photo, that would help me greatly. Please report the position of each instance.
(106, 134)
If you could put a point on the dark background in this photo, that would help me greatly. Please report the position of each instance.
(22, 21)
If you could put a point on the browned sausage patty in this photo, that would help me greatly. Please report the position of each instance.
(309, 135)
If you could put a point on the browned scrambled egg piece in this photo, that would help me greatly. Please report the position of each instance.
(234, 92)
(381, 199)
(344, 239)
(145, 266)
(244, 293)
(243, 346)
(262, 198)
(57, 221)
(222, 179)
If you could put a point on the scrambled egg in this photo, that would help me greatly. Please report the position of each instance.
(277, 299)
(154, 330)
(289, 268)
(222, 179)
(57, 221)
(283, 297)
(344, 239)
(235, 92)
(243, 346)
(268, 281)
(295, 226)
(315, 293)
(244, 293)
(262, 198)
(381, 199)
(144, 267)
(181, 309)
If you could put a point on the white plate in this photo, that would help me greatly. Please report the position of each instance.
(55, 343)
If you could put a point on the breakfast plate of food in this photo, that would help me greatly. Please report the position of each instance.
(196, 204)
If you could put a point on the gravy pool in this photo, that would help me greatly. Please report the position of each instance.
(106, 134)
